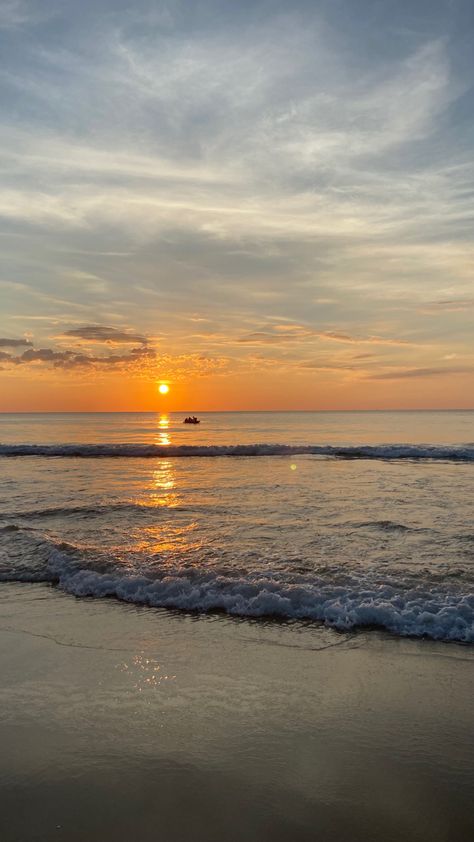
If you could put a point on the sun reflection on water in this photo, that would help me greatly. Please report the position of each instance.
(163, 479)
(167, 541)
(163, 437)
(163, 476)
(163, 485)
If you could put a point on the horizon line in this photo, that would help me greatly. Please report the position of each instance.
(219, 411)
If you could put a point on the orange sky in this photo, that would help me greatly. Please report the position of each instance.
(52, 392)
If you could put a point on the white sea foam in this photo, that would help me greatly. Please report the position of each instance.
(458, 453)
(405, 608)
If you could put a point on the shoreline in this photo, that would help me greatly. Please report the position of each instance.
(370, 632)
(121, 721)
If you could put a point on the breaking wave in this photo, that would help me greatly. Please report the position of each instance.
(459, 453)
(404, 607)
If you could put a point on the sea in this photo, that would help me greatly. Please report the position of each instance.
(341, 520)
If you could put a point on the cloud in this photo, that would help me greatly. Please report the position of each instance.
(42, 355)
(98, 333)
(206, 109)
(321, 366)
(453, 305)
(14, 343)
(282, 334)
(409, 373)
(72, 359)
(262, 338)
(14, 13)
(142, 361)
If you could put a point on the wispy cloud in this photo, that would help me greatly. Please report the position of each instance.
(283, 334)
(410, 373)
(14, 343)
(16, 13)
(72, 359)
(448, 305)
(102, 334)
(207, 110)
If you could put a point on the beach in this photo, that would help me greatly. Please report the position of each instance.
(120, 722)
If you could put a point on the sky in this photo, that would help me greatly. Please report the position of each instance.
(265, 205)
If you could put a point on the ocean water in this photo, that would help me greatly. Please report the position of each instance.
(341, 520)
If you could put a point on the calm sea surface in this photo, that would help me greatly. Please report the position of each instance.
(343, 519)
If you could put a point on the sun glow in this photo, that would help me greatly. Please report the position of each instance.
(163, 388)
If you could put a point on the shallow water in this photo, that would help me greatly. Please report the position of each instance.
(382, 540)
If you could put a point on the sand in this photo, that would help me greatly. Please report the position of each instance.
(121, 723)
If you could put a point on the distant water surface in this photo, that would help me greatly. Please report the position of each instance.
(222, 428)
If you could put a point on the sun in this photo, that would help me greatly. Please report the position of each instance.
(163, 388)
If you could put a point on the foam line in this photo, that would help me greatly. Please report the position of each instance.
(408, 609)
(458, 453)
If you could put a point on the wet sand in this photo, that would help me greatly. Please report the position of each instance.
(121, 723)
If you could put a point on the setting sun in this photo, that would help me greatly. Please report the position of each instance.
(163, 389)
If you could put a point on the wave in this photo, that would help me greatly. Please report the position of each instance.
(390, 526)
(408, 608)
(449, 453)
(83, 511)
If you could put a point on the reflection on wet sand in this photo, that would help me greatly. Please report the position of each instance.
(145, 673)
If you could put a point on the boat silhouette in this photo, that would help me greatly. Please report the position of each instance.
(191, 419)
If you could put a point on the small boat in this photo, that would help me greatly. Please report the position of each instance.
(191, 419)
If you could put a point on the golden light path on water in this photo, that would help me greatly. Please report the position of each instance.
(163, 435)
